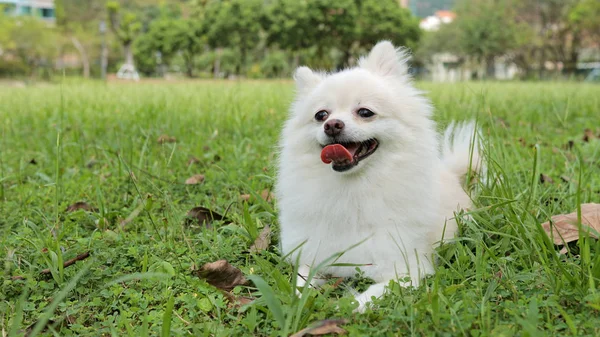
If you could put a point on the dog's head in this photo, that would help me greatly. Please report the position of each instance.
(356, 115)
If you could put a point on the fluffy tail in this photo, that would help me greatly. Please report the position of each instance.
(461, 149)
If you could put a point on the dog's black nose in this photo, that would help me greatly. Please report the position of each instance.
(333, 127)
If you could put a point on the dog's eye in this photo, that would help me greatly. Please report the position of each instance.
(321, 115)
(365, 113)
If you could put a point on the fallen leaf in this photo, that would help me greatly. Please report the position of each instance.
(266, 195)
(202, 215)
(545, 179)
(262, 241)
(588, 135)
(328, 326)
(166, 139)
(562, 228)
(502, 123)
(564, 178)
(221, 275)
(195, 179)
(91, 163)
(80, 205)
(569, 145)
(193, 160)
(237, 301)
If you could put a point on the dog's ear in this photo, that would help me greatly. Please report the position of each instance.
(384, 59)
(306, 80)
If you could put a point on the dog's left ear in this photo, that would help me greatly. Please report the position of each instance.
(384, 59)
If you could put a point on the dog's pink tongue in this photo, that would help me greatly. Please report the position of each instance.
(335, 153)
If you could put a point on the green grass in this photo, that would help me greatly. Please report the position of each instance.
(98, 143)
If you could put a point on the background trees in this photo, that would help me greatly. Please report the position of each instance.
(529, 33)
(257, 38)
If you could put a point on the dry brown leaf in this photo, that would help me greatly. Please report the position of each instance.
(328, 326)
(195, 179)
(262, 241)
(237, 301)
(545, 179)
(588, 135)
(221, 275)
(569, 145)
(266, 195)
(80, 205)
(166, 139)
(193, 160)
(564, 178)
(562, 228)
(202, 215)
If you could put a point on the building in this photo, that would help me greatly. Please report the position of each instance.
(433, 22)
(40, 8)
(425, 8)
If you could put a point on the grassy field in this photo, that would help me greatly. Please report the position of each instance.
(98, 144)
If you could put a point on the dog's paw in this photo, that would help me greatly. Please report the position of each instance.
(363, 303)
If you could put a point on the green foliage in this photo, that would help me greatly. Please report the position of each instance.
(585, 15)
(168, 37)
(30, 42)
(486, 32)
(233, 24)
(125, 25)
(385, 19)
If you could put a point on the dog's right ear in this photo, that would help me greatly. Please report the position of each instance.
(306, 80)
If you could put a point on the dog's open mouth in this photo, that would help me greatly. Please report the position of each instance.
(346, 155)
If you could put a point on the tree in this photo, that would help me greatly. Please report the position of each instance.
(321, 25)
(386, 20)
(232, 24)
(346, 25)
(126, 26)
(486, 30)
(585, 15)
(30, 40)
(78, 23)
(169, 36)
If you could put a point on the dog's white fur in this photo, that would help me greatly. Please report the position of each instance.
(400, 201)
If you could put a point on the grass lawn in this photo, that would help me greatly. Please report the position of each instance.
(98, 144)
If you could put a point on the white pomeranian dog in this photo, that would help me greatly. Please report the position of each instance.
(361, 171)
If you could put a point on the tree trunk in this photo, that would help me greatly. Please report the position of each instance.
(542, 64)
(189, 64)
(84, 57)
(128, 54)
(103, 59)
(217, 65)
(490, 67)
(571, 60)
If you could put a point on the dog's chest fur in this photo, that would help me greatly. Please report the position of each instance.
(388, 216)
